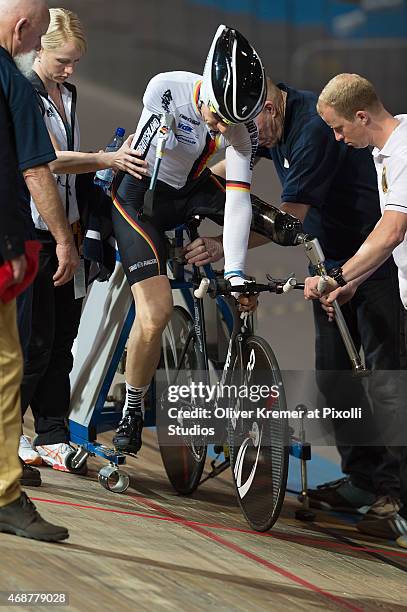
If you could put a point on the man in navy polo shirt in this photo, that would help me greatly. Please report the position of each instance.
(333, 190)
(22, 23)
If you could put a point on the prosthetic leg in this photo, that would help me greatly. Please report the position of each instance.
(284, 229)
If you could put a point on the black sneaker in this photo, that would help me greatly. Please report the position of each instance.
(31, 477)
(21, 518)
(341, 496)
(128, 434)
(390, 528)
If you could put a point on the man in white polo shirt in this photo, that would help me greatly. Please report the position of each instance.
(350, 106)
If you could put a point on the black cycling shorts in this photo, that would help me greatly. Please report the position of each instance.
(142, 243)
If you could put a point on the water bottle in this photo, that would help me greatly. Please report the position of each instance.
(104, 178)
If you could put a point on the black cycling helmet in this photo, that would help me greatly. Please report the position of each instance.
(234, 81)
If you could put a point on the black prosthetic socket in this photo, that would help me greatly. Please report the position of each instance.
(280, 227)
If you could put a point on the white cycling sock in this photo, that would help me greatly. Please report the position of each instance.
(134, 403)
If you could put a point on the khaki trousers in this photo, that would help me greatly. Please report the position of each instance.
(11, 369)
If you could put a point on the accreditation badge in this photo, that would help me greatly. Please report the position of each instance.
(385, 187)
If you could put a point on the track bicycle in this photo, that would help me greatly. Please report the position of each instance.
(258, 446)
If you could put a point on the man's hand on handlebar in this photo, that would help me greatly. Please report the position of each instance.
(313, 290)
(204, 250)
(248, 303)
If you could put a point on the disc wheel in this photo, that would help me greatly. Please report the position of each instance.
(183, 461)
(259, 444)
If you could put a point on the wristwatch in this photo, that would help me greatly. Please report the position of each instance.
(336, 274)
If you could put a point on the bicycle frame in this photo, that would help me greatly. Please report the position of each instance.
(239, 324)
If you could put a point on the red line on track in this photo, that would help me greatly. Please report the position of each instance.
(186, 522)
(256, 558)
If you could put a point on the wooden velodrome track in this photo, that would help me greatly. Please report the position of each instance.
(150, 549)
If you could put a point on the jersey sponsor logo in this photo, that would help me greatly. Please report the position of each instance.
(254, 139)
(185, 127)
(189, 119)
(143, 264)
(166, 99)
(185, 139)
(147, 134)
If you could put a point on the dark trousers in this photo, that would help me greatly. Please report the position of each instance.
(55, 321)
(373, 317)
(24, 318)
(24, 303)
(403, 459)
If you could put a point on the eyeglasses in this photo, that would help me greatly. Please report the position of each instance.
(217, 116)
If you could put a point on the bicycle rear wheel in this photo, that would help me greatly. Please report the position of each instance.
(259, 445)
(185, 461)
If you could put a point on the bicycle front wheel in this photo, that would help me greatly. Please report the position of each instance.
(258, 442)
(183, 462)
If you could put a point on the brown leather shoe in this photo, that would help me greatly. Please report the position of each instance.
(21, 518)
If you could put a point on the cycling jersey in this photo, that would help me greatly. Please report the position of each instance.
(189, 147)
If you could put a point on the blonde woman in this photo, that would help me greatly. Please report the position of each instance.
(56, 310)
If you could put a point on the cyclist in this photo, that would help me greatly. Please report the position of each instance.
(210, 112)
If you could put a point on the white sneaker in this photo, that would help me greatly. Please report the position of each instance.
(27, 451)
(55, 455)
